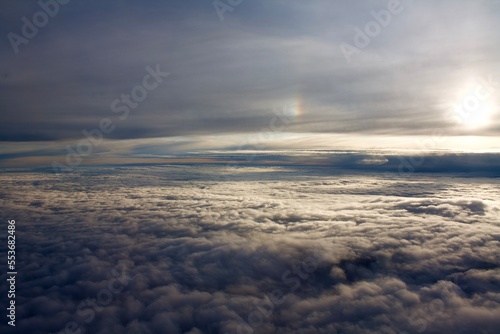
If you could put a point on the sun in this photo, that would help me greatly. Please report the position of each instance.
(475, 107)
(477, 117)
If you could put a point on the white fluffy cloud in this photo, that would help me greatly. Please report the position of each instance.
(264, 250)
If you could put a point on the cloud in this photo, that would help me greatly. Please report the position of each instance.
(226, 77)
(195, 253)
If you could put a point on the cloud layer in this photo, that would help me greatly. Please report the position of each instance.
(226, 77)
(193, 249)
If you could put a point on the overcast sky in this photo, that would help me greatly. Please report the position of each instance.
(228, 77)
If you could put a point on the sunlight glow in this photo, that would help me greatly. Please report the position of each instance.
(475, 108)
(478, 117)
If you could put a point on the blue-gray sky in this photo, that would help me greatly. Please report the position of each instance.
(228, 76)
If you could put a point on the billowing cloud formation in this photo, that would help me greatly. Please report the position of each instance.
(193, 249)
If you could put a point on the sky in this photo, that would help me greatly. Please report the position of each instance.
(316, 75)
(251, 166)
